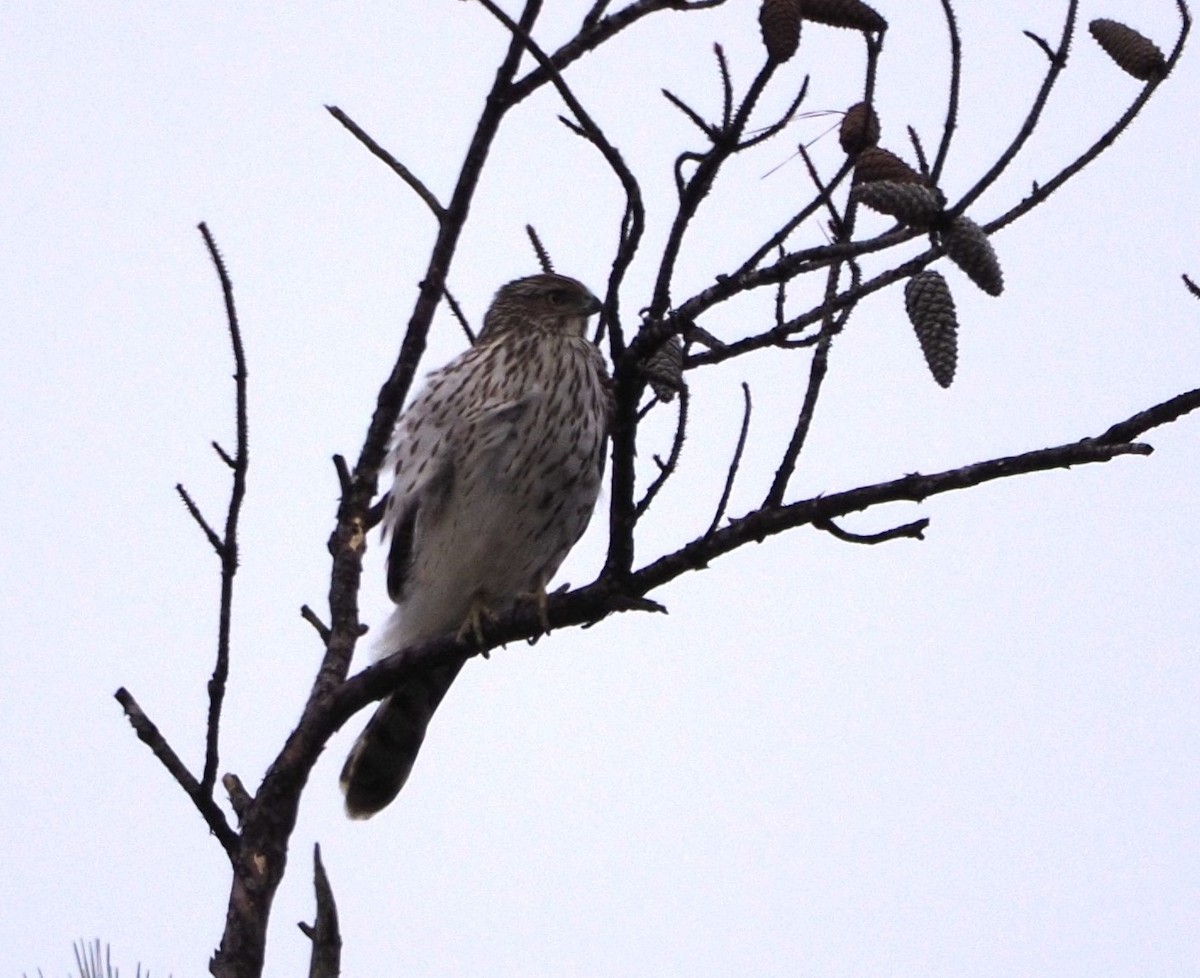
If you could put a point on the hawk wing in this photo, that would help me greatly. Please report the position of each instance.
(426, 456)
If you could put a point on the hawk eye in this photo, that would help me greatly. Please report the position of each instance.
(558, 297)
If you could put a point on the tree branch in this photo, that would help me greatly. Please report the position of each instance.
(326, 960)
(403, 172)
(149, 734)
(229, 548)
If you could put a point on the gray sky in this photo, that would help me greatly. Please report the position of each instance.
(973, 755)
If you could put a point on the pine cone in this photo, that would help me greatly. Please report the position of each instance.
(1134, 52)
(664, 369)
(859, 130)
(877, 163)
(909, 203)
(968, 247)
(931, 311)
(779, 21)
(843, 13)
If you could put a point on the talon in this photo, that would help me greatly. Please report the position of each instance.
(542, 600)
(473, 626)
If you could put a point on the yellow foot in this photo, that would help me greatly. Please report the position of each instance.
(473, 626)
(542, 600)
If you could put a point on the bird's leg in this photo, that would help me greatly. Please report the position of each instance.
(542, 600)
(478, 613)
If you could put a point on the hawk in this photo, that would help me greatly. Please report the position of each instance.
(497, 464)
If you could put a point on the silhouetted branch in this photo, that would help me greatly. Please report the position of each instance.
(149, 734)
(240, 799)
(954, 88)
(240, 463)
(326, 960)
(459, 315)
(915, 530)
(667, 469)
(403, 172)
(310, 616)
(735, 463)
(194, 511)
(1058, 62)
(539, 249)
(1042, 191)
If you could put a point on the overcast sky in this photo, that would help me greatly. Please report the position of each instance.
(973, 755)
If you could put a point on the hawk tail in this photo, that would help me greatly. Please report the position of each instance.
(383, 756)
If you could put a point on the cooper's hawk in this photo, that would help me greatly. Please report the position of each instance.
(497, 466)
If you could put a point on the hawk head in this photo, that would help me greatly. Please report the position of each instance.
(546, 301)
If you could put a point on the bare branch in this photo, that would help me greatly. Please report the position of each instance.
(539, 249)
(1057, 63)
(1055, 57)
(955, 85)
(326, 960)
(195, 513)
(770, 521)
(1042, 191)
(311, 617)
(224, 456)
(1192, 287)
(735, 464)
(594, 14)
(779, 124)
(240, 799)
(692, 115)
(915, 530)
(667, 469)
(229, 548)
(403, 172)
(459, 315)
(149, 735)
(345, 479)
(726, 87)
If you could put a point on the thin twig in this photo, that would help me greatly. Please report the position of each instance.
(726, 87)
(779, 124)
(311, 617)
(593, 15)
(693, 116)
(922, 162)
(667, 469)
(149, 734)
(951, 123)
(1057, 64)
(223, 455)
(345, 479)
(1042, 191)
(196, 515)
(1192, 287)
(915, 530)
(229, 549)
(1042, 43)
(457, 312)
(539, 249)
(822, 191)
(403, 172)
(736, 462)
